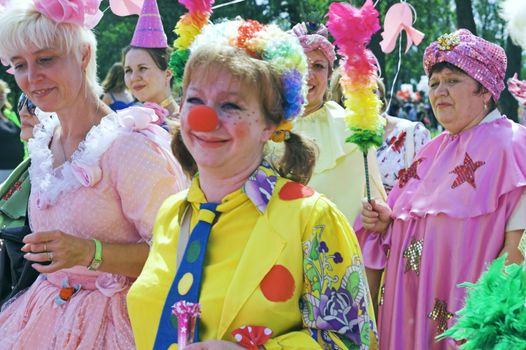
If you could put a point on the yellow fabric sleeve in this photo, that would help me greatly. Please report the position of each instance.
(335, 282)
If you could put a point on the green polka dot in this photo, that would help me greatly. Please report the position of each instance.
(193, 252)
(185, 283)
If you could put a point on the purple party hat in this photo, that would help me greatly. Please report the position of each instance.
(149, 32)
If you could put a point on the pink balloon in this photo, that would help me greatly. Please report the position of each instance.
(126, 7)
(399, 17)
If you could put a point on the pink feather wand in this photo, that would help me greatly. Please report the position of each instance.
(352, 29)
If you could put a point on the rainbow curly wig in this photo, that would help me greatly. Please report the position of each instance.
(281, 50)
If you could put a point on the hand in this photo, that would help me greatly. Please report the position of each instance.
(61, 249)
(376, 216)
(214, 345)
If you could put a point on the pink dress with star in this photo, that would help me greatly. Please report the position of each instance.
(450, 210)
(111, 189)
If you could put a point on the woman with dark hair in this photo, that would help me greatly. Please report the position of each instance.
(116, 95)
(461, 203)
(145, 61)
(148, 77)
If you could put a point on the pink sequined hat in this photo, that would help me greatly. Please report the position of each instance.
(149, 32)
(313, 36)
(483, 61)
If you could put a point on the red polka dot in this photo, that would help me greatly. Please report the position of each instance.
(295, 190)
(202, 118)
(278, 284)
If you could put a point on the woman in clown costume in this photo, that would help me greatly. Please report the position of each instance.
(271, 262)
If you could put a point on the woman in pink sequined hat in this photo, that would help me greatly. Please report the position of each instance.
(460, 204)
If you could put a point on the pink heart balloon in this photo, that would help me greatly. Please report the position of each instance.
(126, 7)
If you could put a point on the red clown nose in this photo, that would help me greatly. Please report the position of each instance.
(202, 118)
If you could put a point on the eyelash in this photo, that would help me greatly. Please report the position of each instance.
(226, 105)
(318, 66)
(230, 105)
(41, 60)
(194, 100)
(449, 81)
(45, 59)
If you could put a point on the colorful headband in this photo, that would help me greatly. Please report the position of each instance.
(84, 13)
(312, 37)
(187, 28)
(483, 61)
(270, 44)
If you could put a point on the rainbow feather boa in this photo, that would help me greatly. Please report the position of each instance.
(187, 28)
(352, 29)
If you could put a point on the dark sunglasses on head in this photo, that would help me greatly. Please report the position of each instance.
(24, 101)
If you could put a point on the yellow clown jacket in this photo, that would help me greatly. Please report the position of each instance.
(280, 256)
(339, 173)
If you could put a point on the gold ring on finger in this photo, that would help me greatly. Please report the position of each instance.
(50, 256)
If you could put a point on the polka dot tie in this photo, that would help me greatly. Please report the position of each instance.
(187, 282)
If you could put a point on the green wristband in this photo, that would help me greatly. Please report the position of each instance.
(97, 258)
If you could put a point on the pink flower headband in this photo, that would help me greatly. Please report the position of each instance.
(315, 38)
(84, 13)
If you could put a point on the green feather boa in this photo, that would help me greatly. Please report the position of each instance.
(494, 316)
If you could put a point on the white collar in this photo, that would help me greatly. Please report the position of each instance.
(494, 115)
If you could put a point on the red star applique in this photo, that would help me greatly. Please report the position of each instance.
(404, 175)
(466, 172)
(16, 187)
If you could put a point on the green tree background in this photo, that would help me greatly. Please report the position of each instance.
(434, 17)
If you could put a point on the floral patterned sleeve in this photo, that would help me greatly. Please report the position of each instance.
(421, 136)
(336, 304)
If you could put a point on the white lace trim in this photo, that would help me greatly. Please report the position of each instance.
(49, 183)
(83, 168)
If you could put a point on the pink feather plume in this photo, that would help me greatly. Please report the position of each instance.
(197, 5)
(364, 23)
